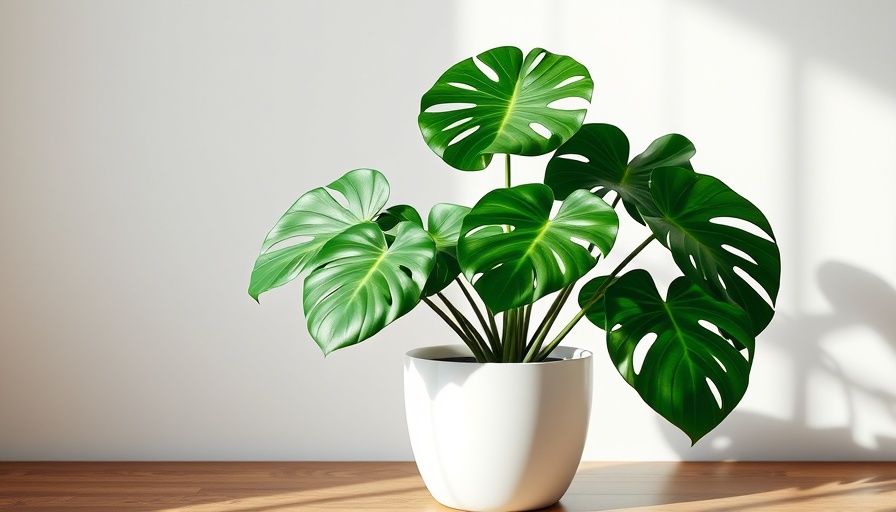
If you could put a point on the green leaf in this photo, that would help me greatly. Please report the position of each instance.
(718, 239)
(312, 221)
(538, 255)
(444, 223)
(688, 358)
(594, 311)
(362, 284)
(671, 150)
(596, 158)
(466, 117)
(394, 215)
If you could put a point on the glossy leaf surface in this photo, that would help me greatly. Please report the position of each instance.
(594, 311)
(596, 158)
(314, 219)
(468, 116)
(362, 284)
(392, 216)
(444, 224)
(539, 255)
(690, 374)
(718, 239)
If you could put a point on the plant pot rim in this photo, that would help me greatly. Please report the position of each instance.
(435, 353)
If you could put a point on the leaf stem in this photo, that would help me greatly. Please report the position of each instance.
(524, 334)
(594, 298)
(489, 333)
(467, 326)
(457, 329)
(507, 171)
(507, 320)
(534, 346)
(488, 356)
(497, 348)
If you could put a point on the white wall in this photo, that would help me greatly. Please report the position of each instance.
(147, 147)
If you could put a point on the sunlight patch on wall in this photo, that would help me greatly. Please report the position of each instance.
(849, 154)
(733, 94)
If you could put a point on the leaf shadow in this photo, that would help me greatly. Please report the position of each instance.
(818, 349)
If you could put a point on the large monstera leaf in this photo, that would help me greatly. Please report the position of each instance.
(691, 374)
(536, 255)
(596, 158)
(312, 221)
(718, 239)
(363, 283)
(468, 116)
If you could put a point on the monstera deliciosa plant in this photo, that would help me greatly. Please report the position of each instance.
(365, 265)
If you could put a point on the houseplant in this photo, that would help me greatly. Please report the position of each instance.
(365, 265)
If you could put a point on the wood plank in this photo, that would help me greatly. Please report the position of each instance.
(396, 486)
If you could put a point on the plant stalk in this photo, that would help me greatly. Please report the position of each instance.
(480, 357)
(520, 345)
(507, 171)
(483, 345)
(508, 335)
(594, 298)
(524, 332)
(489, 333)
(497, 348)
(467, 326)
(534, 346)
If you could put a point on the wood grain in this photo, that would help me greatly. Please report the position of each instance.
(396, 486)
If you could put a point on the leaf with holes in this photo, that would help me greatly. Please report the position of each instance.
(538, 255)
(315, 218)
(596, 158)
(690, 374)
(500, 102)
(363, 284)
(718, 239)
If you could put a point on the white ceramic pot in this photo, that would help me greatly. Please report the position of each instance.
(497, 436)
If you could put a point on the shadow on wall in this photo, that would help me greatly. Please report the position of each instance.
(842, 407)
(820, 348)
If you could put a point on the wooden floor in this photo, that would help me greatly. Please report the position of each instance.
(396, 486)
